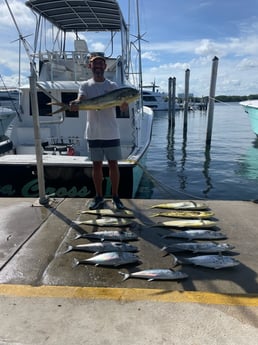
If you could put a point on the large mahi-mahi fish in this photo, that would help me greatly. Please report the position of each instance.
(111, 99)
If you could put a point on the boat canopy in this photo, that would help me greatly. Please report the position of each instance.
(80, 15)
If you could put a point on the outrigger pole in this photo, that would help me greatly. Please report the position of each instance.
(43, 200)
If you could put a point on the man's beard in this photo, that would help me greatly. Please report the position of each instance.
(98, 72)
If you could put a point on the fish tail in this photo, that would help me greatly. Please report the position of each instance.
(126, 275)
(154, 215)
(68, 249)
(182, 261)
(63, 107)
(75, 263)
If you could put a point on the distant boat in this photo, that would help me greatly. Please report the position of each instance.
(62, 146)
(9, 94)
(9, 98)
(6, 117)
(251, 108)
(155, 100)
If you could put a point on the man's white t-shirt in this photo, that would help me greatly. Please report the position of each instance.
(101, 124)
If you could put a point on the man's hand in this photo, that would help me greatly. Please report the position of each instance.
(74, 105)
(124, 107)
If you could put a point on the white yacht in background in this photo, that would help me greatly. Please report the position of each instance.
(155, 100)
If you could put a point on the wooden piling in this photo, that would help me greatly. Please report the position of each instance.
(171, 101)
(187, 78)
(215, 63)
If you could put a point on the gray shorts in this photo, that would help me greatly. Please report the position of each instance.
(101, 149)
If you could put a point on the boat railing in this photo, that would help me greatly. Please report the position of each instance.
(73, 66)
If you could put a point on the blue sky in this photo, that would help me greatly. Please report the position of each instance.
(178, 34)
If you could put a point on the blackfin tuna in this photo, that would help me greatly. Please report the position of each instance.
(210, 261)
(156, 274)
(207, 247)
(110, 259)
(101, 247)
(110, 235)
(108, 212)
(105, 221)
(197, 234)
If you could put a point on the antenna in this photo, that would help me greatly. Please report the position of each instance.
(19, 39)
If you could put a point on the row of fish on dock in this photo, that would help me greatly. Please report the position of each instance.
(190, 221)
(197, 226)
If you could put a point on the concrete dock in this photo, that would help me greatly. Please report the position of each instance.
(52, 302)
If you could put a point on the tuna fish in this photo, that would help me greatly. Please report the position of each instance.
(187, 223)
(116, 235)
(108, 212)
(109, 259)
(210, 261)
(197, 234)
(156, 274)
(207, 247)
(105, 221)
(108, 100)
(183, 205)
(101, 247)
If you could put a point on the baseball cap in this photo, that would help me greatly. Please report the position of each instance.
(97, 55)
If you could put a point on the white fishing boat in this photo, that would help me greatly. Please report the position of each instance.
(251, 108)
(60, 145)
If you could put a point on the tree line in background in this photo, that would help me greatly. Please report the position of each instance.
(223, 98)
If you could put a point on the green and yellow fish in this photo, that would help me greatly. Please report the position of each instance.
(111, 99)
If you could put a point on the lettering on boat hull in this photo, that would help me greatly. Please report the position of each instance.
(63, 182)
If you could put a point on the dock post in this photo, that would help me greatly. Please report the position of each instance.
(38, 148)
(173, 101)
(187, 78)
(169, 99)
(215, 63)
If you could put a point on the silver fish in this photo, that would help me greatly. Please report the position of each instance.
(207, 247)
(156, 274)
(115, 235)
(101, 247)
(197, 234)
(109, 259)
(186, 223)
(108, 100)
(210, 261)
(108, 212)
(105, 221)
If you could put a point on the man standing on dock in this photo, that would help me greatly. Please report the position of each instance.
(102, 131)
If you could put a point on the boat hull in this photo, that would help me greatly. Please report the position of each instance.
(64, 181)
(251, 108)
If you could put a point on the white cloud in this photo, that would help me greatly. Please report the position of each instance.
(238, 54)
